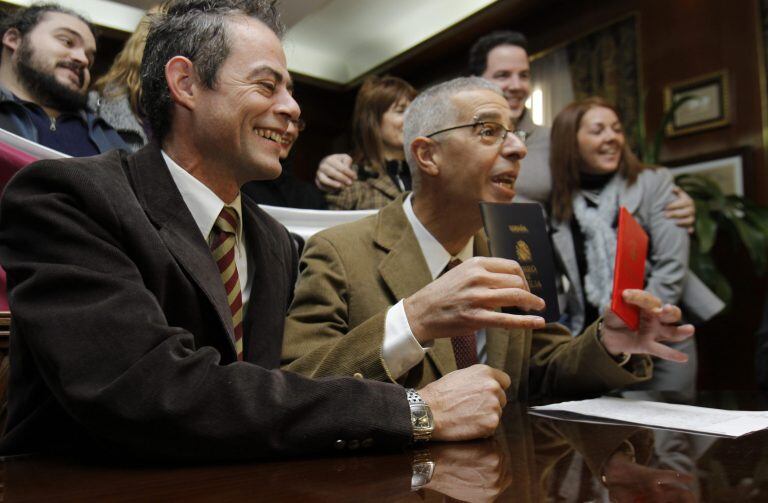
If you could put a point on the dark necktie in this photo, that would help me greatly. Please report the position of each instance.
(223, 249)
(399, 172)
(464, 346)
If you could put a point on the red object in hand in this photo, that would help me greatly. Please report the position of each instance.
(629, 268)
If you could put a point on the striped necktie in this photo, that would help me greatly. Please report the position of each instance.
(464, 346)
(223, 249)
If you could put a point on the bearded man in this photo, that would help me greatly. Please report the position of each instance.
(47, 54)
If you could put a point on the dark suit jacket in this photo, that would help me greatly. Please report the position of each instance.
(351, 274)
(122, 336)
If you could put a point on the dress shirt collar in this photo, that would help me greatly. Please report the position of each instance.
(202, 202)
(434, 253)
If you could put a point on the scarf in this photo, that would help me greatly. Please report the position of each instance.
(599, 239)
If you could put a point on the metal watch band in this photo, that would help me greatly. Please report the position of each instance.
(421, 416)
(414, 397)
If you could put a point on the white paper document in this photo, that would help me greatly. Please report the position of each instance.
(726, 423)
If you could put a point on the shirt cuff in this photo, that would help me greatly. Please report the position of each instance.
(400, 350)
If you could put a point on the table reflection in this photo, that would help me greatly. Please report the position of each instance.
(529, 459)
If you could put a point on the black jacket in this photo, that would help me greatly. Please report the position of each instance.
(122, 335)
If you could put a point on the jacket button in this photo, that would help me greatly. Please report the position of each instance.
(339, 445)
(367, 443)
(353, 445)
(357, 375)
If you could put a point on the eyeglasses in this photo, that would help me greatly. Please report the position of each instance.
(299, 123)
(489, 132)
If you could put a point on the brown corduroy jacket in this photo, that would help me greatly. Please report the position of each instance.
(352, 273)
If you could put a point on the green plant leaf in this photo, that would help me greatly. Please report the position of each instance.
(700, 187)
(756, 215)
(706, 230)
(755, 242)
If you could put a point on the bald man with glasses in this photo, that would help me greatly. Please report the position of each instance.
(423, 261)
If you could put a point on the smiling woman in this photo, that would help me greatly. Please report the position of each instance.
(594, 173)
(377, 131)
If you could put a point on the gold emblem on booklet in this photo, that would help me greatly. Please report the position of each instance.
(523, 251)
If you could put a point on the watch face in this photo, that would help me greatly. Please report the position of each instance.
(421, 418)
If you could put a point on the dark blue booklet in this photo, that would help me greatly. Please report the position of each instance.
(518, 231)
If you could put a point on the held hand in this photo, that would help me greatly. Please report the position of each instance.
(334, 173)
(682, 210)
(466, 404)
(657, 325)
(463, 300)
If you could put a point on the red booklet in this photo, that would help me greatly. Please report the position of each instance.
(629, 269)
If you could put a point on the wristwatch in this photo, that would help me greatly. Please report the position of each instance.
(421, 416)
(422, 469)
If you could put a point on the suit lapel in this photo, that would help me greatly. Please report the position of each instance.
(164, 206)
(264, 256)
(404, 269)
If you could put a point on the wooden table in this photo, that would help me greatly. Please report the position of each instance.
(529, 459)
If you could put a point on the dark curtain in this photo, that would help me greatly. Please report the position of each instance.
(604, 63)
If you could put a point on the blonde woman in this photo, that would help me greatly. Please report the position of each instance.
(116, 95)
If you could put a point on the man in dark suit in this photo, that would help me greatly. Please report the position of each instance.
(148, 299)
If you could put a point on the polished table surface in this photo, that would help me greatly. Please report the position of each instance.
(529, 459)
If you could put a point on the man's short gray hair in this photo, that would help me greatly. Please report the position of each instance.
(433, 110)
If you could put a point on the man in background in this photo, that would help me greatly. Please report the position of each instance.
(47, 54)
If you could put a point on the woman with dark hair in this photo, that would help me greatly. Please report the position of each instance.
(379, 159)
(594, 173)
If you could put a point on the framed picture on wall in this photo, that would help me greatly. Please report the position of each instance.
(727, 169)
(706, 106)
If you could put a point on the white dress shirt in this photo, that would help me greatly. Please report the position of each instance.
(400, 349)
(205, 207)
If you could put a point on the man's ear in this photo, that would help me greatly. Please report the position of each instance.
(12, 39)
(183, 82)
(427, 154)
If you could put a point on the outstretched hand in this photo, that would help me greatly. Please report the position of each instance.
(658, 325)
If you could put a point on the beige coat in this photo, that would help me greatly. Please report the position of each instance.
(351, 274)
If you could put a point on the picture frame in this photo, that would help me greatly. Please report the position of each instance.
(729, 169)
(708, 109)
